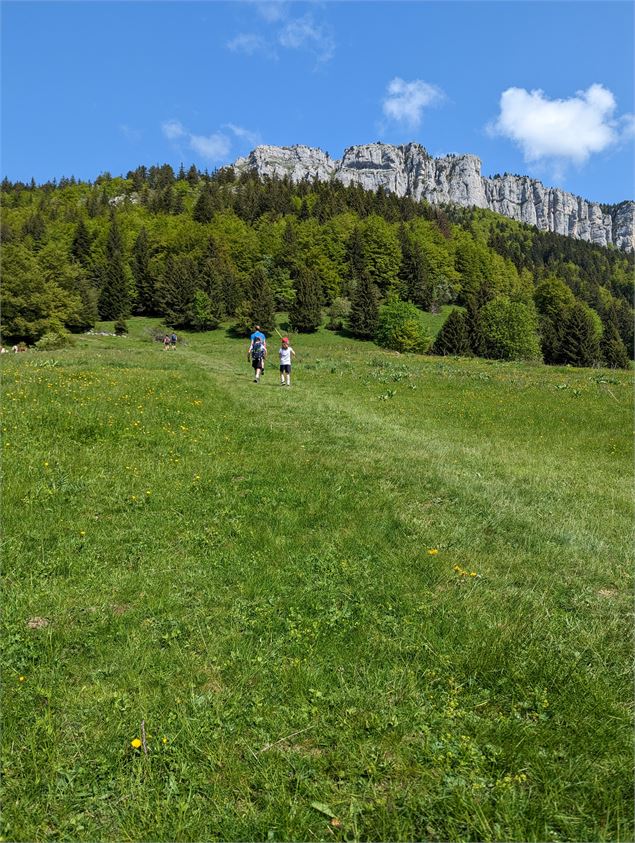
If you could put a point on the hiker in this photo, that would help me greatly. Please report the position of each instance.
(257, 353)
(173, 341)
(166, 343)
(258, 334)
(285, 361)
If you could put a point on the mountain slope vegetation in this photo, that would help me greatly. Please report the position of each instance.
(197, 248)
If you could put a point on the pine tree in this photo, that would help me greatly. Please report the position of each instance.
(453, 338)
(114, 301)
(176, 288)
(305, 314)
(356, 253)
(193, 175)
(205, 206)
(262, 302)
(364, 315)
(580, 345)
(474, 331)
(419, 285)
(613, 349)
(144, 282)
(80, 247)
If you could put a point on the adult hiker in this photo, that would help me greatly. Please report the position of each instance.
(257, 354)
(258, 335)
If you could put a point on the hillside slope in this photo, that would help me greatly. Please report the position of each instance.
(391, 602)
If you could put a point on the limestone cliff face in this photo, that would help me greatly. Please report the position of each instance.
(410, 171)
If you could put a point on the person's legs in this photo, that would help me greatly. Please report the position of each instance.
(281, 375)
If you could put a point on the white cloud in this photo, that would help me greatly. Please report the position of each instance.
(305, 33)
(271, 11)
(627, 124)
(249, 43)
(406, 100)
(214, 147)
(561, 130)
(252, 138)
(172, 129)
(133, 135)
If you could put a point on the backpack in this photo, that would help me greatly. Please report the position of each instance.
(173, 337)
(257, 349)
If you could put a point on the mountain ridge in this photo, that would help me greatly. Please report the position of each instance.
(409, 170)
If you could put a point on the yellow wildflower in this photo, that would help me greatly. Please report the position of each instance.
(135, 743)
(432, 551)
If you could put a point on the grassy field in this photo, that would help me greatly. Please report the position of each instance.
(390, 603)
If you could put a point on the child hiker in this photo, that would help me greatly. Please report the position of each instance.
(285, 361)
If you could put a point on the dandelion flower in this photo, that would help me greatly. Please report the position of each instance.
(21, 678)
(432, 551)
(135, 743)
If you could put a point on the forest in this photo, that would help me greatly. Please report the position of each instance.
(201, 249)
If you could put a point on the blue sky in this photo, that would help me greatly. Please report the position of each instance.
(542, 88)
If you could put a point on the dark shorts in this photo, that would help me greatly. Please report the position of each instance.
(285, 367)
(258, 363)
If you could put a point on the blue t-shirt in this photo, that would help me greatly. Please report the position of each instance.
(258, 335)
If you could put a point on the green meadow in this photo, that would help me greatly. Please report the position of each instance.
(392, 602)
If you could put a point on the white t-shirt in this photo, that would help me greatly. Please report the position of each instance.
(285, 356)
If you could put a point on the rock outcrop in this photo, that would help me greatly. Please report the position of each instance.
(410, 171)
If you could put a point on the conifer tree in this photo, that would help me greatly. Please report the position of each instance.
(262, 302)
(193, 175)
(453, 338)
(176, 288)
(305, 314)
(80, 247)
(144, 282)
(205, 206)
(364, 315)
(419, 285)
(474, 331)
(114, 300)
(580, 345)
(613, 349)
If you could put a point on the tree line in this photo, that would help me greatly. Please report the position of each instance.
(198, 249)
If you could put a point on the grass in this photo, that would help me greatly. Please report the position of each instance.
(392, 602)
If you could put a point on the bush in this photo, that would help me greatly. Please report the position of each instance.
(121, 329)
(53, 340)
(338, 314)
(509, 330)
(400, 328)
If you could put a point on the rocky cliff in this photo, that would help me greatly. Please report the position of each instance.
(410, 171)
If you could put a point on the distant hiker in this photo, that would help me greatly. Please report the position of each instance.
(14, 349)
(173, 341)
(285, 361)
(257, 353)
(166, 343)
